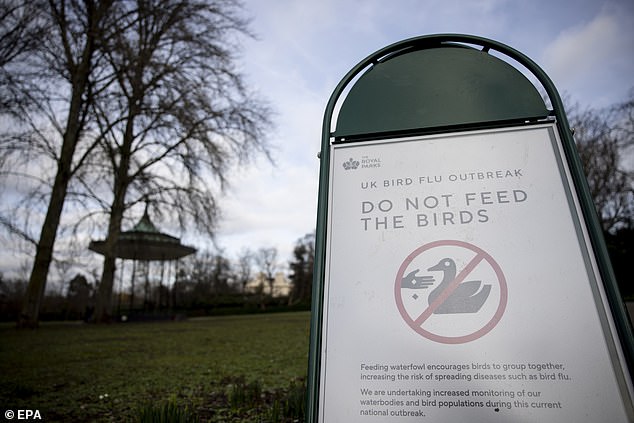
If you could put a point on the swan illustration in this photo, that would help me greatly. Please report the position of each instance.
(465, 298)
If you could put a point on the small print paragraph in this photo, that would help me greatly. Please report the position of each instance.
(409, 389)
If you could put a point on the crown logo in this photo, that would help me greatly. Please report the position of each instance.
(351, 164)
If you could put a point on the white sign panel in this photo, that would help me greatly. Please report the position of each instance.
(460, 287)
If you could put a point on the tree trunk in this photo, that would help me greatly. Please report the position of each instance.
(44, 250)
(121, 183)
(43, 256)
(103, 309)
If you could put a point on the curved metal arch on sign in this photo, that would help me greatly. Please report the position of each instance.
(437, 83)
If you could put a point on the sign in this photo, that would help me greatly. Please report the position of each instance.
(460, 285)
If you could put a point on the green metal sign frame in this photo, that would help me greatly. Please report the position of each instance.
(436, 84)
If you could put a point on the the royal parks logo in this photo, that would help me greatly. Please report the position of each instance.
(351, 164)
(366, 162)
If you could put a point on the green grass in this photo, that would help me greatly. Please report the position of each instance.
(79, 372)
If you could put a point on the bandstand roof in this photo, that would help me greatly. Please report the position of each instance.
(145, 242)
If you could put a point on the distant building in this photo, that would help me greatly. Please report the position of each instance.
(281, 285)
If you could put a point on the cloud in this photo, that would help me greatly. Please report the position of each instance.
(577, 51)
(270, 208)
(594, 57)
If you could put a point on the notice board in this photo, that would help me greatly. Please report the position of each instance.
(460, 285)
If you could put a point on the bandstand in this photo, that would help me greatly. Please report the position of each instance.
(146, 247)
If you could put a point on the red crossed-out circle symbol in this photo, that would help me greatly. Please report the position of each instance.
(427, 319)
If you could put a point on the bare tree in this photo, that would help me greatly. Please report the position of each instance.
(301, 268)
(22, 26)
(178, 118)
(205, 279)
(266, 259)
(78, 297)
(624, 118)
(244, 268)
(11, 294)
(601, 142)
(63, 68)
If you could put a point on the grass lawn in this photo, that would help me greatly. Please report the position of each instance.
(80, 372)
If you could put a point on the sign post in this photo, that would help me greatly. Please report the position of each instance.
(460, 270)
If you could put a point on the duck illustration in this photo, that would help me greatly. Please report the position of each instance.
(465, 298)
(416, 282)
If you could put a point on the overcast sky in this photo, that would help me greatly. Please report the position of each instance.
(304, 48)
